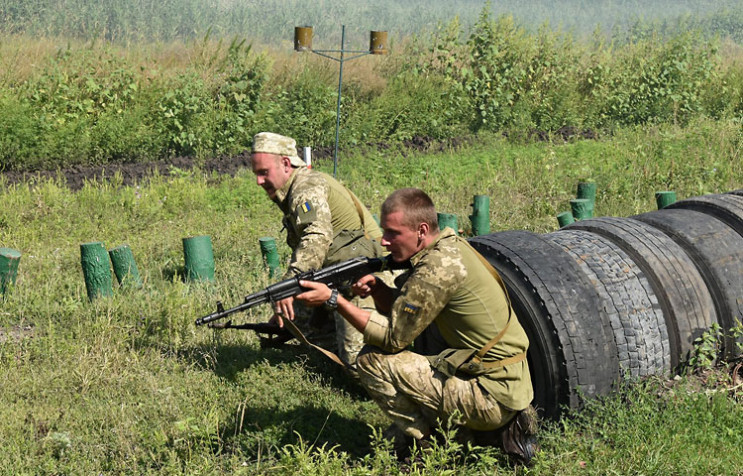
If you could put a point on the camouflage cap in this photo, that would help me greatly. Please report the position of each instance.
(270, 143)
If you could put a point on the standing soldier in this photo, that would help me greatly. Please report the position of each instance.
(325, 223)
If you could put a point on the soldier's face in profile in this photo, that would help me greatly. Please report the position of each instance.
(400, 240)
(271, 171)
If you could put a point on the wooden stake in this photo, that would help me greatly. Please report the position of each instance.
(199, 258)
(450, 220)
(9, 260)
(124, 266)
(270, 255)
(480, 217)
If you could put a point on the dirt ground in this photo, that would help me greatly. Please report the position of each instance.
(134, 173)
(131, 173)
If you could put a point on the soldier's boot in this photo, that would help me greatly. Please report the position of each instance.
(518, 437)
(402, 444)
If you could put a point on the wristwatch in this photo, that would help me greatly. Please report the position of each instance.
(332, 303)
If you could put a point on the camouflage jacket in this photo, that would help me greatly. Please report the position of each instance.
(318, 214)
(450, 286)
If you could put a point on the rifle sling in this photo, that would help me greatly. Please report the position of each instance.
(301, 338)
(484, 350)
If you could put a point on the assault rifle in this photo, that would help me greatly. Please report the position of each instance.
(333, 276)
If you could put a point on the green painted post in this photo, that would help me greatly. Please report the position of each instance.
(199, 258)
(270, 255)
(96, 270)
(480, 217)
(582, 208)
(450, 220)
(565, 218)
(664, 198)
(125, 268)
(9, 260)
(587, 190)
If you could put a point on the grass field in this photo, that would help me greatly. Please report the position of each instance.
(128, 385)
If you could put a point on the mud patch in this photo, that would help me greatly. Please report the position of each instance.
(132, 173)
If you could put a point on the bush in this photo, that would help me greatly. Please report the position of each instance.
(412, 106)
(304, 107)
(18, 134)
(97, 103)
(655, 81)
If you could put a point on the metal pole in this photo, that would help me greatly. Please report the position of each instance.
(338, 107)
(303, 42)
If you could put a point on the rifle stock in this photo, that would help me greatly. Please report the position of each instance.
(333, 276)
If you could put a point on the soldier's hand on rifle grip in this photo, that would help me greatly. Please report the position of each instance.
(364, 286)
(316, 295)
(283, 309)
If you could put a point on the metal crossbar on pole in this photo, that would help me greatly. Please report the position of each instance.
(303, 42)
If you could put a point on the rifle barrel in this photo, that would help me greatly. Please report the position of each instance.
(250, 301)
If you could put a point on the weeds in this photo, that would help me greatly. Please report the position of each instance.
(129, 385)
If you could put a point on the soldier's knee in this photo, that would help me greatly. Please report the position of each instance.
(375, 361)
(368, 357)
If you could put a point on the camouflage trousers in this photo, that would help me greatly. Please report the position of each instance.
(417, 396)
(349, 340)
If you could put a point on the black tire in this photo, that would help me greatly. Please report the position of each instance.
(737, 192)
(687, 306)
(727, 207)
(627, 298)
(717, 252)
(572, 353)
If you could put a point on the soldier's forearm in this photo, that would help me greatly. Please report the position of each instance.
(356, 316)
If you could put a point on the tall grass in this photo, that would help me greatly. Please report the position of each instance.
(271, 22)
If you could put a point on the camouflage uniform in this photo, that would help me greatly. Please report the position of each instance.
(450, 288)
(323, 223)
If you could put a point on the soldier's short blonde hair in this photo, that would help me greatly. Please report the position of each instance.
(416, 206)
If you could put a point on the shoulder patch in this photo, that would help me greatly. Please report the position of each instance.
(410, 309)
(306, 212)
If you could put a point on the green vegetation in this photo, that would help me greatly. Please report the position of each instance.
(268, 21)
(128, 384)
(67, 102)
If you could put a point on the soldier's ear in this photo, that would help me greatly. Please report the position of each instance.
(423, 229)
(285, 162)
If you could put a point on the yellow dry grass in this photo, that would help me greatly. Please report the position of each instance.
(22, 58)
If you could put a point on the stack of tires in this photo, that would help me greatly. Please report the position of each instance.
(607, 299)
